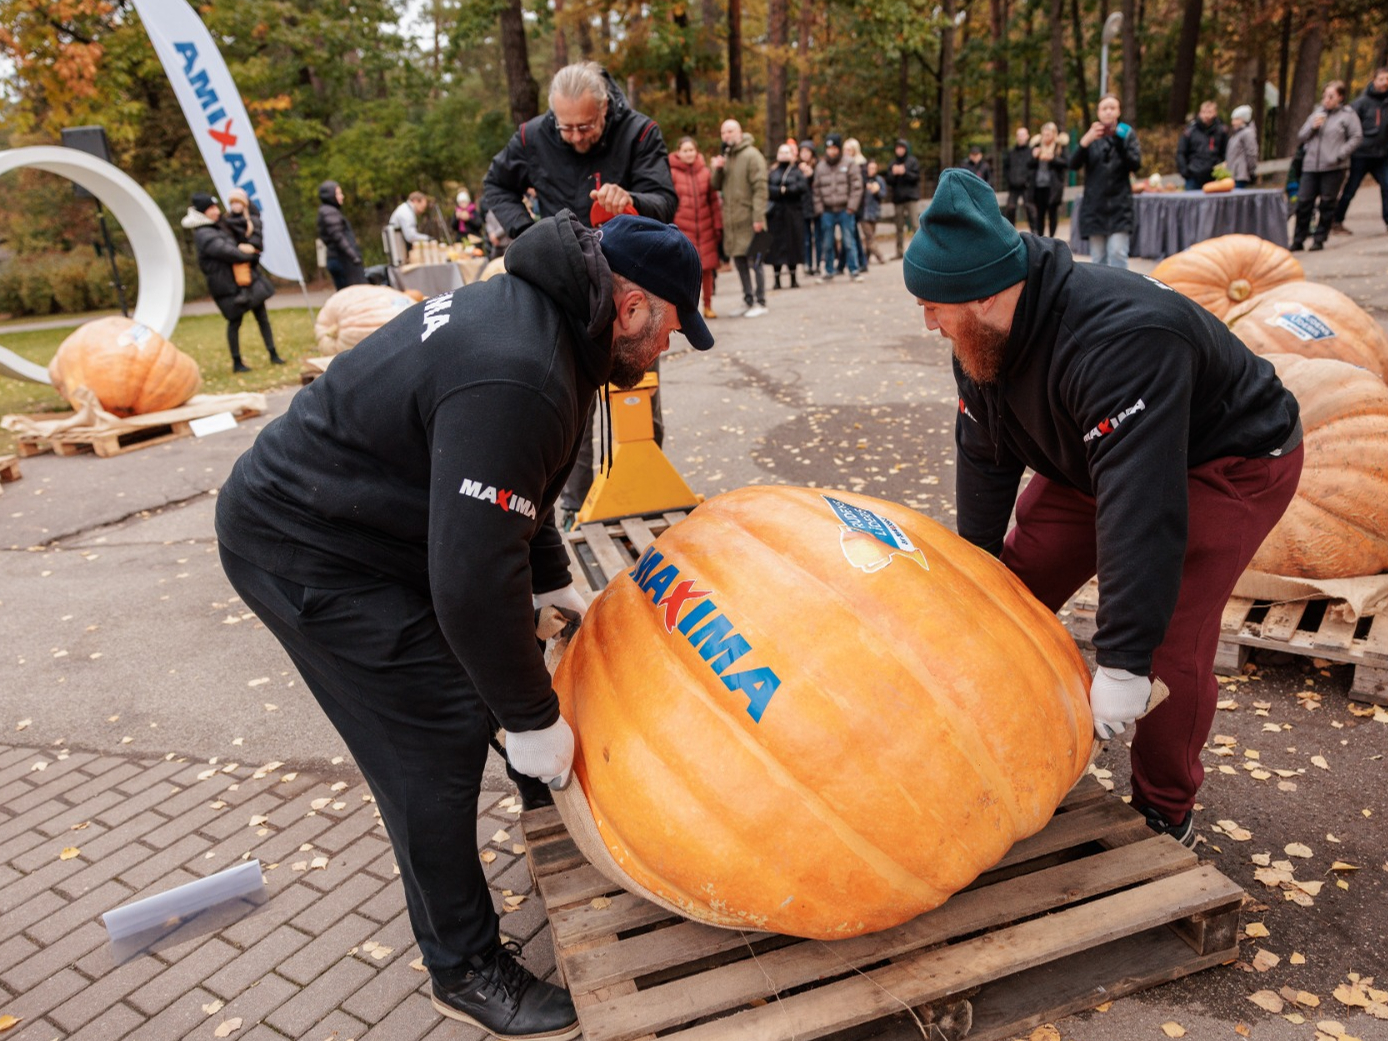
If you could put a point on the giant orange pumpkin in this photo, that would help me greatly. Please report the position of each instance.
(1221, 274)
(351, 315)
(128, 366)
(1336, 526)
(1315, 321)
(818, 713)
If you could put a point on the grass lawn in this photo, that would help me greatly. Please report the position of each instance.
(202, 337)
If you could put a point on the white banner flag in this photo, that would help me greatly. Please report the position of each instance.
(218, 120)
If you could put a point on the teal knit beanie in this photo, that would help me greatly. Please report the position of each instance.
(965, 248)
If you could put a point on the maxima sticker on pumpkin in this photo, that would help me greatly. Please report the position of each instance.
(869, 541)
(1301, 322)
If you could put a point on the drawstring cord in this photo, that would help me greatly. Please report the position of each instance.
(605, 430)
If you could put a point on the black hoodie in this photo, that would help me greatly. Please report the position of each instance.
(333, 226)
(431, 453)
(1372, 109)
(1200, 149)
(631, 153)
(1115, 385)
(905, 186)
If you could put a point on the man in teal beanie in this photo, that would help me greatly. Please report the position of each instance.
(1164, 451)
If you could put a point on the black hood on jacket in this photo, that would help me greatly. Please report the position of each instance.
(327, 193)
(901, 142)
(563, 259)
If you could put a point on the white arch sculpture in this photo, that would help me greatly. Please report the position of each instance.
(157, 257)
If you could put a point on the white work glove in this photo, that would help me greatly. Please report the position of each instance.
(1117, 698)
(566, 596)
(547, 754)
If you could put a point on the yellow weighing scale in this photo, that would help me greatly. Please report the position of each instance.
(641, 479)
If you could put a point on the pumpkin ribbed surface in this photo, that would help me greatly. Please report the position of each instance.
(819, 713)
(1314, 321)
(130, 368)
(1220, 274)
(1336, 526)
(351, 315)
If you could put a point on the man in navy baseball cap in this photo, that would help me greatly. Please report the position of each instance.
(661, 260)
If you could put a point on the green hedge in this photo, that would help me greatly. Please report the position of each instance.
(54, 283)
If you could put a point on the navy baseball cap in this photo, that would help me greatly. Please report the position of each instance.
(661, 260)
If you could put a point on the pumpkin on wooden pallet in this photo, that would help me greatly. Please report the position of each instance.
(351, 315)
(128, 366)
(1336, 526)
(819, 714)
(1222, 274)
(1314, 321)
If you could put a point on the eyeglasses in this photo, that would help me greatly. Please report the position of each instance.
(576, 128)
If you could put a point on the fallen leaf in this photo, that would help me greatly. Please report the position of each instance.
(1296, 849)
(228, 1027)
(7, 1022)
(487, 856)
(1243, 1030)
(23, 724)
(40, 766)
(69, 853)
(1045, 1032)
(1341, 865)
(1261, 859)
(1297, 958)
(213, 1007)
(1319, 761)
(1268, 1000)
(502, 835)
(1107, 1004)
(600, 902)
(319, 863)
(1235, 832)
(260, 681)
(299, 865)
(319, 804)
(418, 964)
(83, 826)
(288, 777)
(271, 708)
(517, 849)
(258, 819)
(340, 786)
(1173, 1029)
(380, 952)
(1256, 930)
(1264, 960)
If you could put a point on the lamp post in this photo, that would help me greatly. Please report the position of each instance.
(1112, 27)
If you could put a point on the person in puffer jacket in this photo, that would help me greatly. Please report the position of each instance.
(335, 232)
(1371, 157)
(1330, 135)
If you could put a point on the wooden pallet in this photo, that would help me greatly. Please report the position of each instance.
(107, 445)
(600, 550)
(1094, 907)
(1304, 627)
(312, 368)
(9, 470)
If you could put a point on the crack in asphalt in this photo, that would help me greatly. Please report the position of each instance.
(144, 513)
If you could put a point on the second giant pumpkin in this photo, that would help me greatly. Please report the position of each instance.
(351, 315)
(1222, 274)
(130, 368)
(818, 713)
(1314, 321)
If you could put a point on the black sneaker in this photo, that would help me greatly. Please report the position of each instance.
(1184, 833)
(1317, 245)
(1296, 247)
(503, 998)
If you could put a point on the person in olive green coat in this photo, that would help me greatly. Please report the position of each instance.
(740, 174)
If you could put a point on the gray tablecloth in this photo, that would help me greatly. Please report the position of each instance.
(429, 279)
(1168, 222)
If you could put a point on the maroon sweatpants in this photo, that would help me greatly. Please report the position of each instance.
(1234, 503)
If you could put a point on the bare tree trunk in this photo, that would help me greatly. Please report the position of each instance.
(1058, 63)
(777, 36)
(561, 41)
(947, 86)
(1130, 58)
(684, 88)
(585, 38)
(802, 61)
(734, 50)
(998, 13)
(1305, 82)
(1079, 59)
(711, 15)
(521, 87)
(1284, 61)
(1260, 108)
(1026, 66)
(1381, 52)
(1179, 103)
(903, 95)
(1348, 77)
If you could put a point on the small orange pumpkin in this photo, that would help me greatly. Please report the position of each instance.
(1315, 321)
(1217, 187)
(818, 713)
(1336, 526)
(128, 366)
(351, 315)
(1222, 274)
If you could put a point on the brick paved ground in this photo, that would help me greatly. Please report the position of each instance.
(303, 966)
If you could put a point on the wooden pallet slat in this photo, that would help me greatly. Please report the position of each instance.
(108, 445)
(1095, 879)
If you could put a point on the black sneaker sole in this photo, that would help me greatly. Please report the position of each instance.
(562, 1034)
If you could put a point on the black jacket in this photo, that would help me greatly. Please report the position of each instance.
(1058, 166)
(785, 190)
(983, 168)
(216, 249)
(906, 186)
(1114, 385)
(334, 228)
(1372, 110)
(431, 454)
(1016, 164)
(1108, 194)
(1200, 149)
(630, 152)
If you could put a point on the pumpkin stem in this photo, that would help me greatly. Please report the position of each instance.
(1239, 290)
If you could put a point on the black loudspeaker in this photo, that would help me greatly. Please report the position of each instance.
(91, 140)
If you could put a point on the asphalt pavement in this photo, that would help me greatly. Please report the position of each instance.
(123, 641)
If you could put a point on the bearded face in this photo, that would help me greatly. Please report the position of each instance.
(634, 353)
(978, 346)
